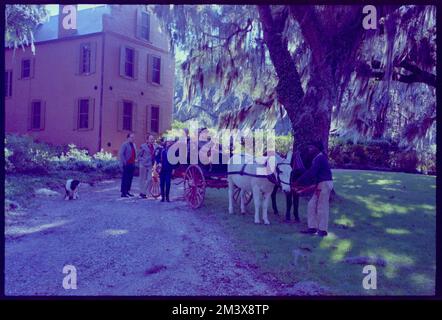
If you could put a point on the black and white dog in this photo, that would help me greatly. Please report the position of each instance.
(71, 188)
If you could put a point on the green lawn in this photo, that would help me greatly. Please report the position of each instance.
(388, 215)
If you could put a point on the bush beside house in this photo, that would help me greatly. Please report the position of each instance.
(31, 163)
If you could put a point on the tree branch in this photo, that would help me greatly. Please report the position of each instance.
(417, 75)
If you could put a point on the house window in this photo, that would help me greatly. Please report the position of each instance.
(8, 83)
(129, 62)
(155, 119)
(145, 25)
(127, 115)
(156, 70)
(26, 68)
(83, 114)
(36, 115)
(85, 58)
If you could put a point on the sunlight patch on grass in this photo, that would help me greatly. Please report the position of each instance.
(342, 248)
(428, 207)
(422, 280)
(328, 241)
(376, 215)
(373, 204)
(395, 259)
(344, 220)
(397, 231)
(383, 182)
(392, 189)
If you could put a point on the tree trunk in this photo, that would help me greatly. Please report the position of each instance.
(310, 114)
(313, 121)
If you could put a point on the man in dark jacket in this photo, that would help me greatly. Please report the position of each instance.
(127, 157)
(166, 169)
(320, 174)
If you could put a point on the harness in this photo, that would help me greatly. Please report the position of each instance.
(273, 178)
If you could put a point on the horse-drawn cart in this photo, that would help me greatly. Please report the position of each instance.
(195, 179)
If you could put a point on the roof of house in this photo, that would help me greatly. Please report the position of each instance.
(88, 21)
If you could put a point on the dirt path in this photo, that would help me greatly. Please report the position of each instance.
(123, 247)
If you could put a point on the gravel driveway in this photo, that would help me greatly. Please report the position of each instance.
(123, 247)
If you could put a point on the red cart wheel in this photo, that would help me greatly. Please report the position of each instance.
(194, 186)
(155, 184)
(247, 195)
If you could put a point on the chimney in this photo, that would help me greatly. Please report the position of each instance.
(67, 20)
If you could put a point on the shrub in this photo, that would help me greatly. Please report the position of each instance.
(26, 155)
(74, 159)
(80, 160)
(427, 160)
(9, 167)
(405, 161)
(106, 162)
(378, 154)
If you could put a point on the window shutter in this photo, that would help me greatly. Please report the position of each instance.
(91, 113)
(30, 116)
(93, 57)
(158, 119)
(19, 72)
(42, 115)
(136, 64)
(122, 56)
(76, 113)
(150, 24)
(161, 70)
(148, 128)
(149, 68)
(10, 83)
(134, 117)
(32, 66)
(138, 24)
(78, 62)
(120, 116)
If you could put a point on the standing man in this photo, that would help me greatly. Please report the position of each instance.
(166, 169)
(146, 159)
(127, 156)
(318, 206)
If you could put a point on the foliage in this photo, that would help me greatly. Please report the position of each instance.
(25, 155)
(379, 154)
(178, 125)
(21, 21)
(8, 164)
(381, 81)
(106, 162)
(284, 144)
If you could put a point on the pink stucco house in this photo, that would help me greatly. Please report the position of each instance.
(91, 86)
